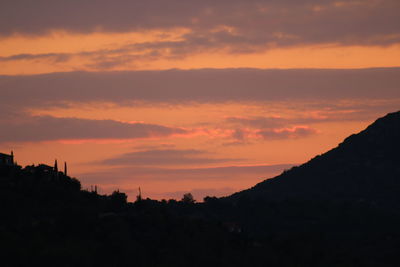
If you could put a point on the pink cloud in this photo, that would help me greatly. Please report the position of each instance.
(282, 133)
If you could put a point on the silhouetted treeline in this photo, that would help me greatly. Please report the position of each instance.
(49, 221)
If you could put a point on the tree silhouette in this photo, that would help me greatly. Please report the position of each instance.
(188, 198)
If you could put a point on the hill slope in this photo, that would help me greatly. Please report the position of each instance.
(364, 165)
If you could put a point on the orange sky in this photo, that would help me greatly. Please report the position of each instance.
(225, 123)
(76, 45)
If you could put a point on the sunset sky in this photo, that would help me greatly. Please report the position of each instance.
(178, 96)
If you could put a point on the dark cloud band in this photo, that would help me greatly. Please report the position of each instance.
(236, 24)
(205, 85)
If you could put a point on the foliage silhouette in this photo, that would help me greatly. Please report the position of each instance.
(188, 198)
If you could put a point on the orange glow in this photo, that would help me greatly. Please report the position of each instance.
(83, 52)
(218, 138)
(208, 131)
(297, 57)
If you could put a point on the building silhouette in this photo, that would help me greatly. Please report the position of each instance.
(7, 160)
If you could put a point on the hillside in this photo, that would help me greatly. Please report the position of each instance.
(341, 208)
(364, 166)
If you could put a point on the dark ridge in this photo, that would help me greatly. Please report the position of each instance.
(364, 165)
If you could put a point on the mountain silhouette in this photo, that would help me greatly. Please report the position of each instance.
(341, 208)
(364, 166)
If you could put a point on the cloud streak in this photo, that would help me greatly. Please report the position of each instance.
(47, 128)
(205, 85)
(285, 133)
(269, 128)
(55, 57)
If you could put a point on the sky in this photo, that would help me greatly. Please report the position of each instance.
(178, 96)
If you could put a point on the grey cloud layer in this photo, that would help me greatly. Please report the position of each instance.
(252, 24)
(46, 128)
(206, 85)
(164, 157)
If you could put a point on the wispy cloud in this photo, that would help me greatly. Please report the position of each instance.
(165, 157)
(294, 132)
(55, 57)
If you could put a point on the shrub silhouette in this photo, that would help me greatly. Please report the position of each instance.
(188, 198)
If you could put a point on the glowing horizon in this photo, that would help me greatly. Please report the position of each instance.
(191, 96)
